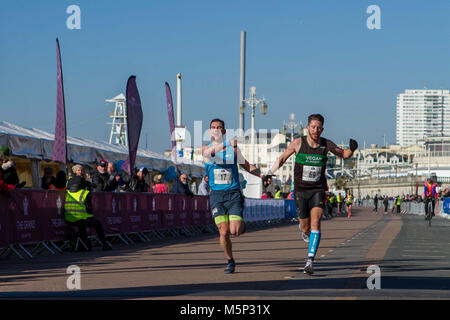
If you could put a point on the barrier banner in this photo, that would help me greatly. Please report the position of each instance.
(110, 208)
(29, 223)
(200, 213)
(165, 204)
(5, 229)
(446, 205)
(52, 206)
(182, 211)
(152, 218)
(289, 209)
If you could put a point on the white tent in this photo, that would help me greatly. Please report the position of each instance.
(37, 145)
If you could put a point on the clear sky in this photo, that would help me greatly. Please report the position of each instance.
(303, 56)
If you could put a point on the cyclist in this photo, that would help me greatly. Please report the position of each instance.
(429, 194)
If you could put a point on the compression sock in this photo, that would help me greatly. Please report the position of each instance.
(314, 240)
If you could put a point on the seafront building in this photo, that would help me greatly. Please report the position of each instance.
(421, 114)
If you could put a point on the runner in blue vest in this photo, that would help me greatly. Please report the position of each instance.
(310, 181)
(221, 158)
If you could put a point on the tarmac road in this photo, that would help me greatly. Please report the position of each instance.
(413, 261)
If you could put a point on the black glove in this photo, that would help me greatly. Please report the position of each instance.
(353, 145)
(265, 179)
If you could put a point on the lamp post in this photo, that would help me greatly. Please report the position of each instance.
(253, 102)
(292, 124)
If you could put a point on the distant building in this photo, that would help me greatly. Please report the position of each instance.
(421, 114)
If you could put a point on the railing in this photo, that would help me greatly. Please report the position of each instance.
(33, 220)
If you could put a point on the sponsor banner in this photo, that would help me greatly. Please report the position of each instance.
(110, 208)
(5, 237)
(167, 208)
(446, 205)
(52, 207)
(29, 221)
(152, 219)
(183, 214)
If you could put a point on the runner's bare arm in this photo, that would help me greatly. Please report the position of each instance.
(343, 153)
(291, 149)
(210, 151)
(244, 163)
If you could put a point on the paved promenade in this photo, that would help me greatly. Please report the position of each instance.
(413, 259)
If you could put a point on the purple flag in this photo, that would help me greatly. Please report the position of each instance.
(171, 121)
(134, 123)
(59, 153)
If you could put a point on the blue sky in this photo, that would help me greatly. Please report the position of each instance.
(303, 56)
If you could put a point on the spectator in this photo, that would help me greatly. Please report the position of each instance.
(8, 168)
(159, 186)
(79, 210)
(48, 179)
(102, 180)
(181, 186)
(137, 182)
(60, 181)
(203, 188)
(386, 204)
(375, 202)
(277, 193)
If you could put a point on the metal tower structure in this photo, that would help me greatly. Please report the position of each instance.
(119, 121)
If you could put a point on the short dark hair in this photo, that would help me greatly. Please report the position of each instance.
(317, 117)
(217, 120)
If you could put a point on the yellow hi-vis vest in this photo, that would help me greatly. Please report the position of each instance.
(278, 195)
(75, 208)
(398, 201)
(338, 198)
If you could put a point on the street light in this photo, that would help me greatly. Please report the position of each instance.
(292, 124)
(253, 102)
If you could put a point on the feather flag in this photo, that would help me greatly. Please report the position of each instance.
(171, 121)
(59, 153)
(134, 123)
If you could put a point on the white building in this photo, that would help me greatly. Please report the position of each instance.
(421, 114)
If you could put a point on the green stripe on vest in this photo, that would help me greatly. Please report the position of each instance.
(318, 160)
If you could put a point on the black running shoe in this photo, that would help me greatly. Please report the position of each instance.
(230, 267)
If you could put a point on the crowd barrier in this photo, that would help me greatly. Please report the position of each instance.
(36, 217)
(412, 207)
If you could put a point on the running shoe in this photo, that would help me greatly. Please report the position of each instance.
(230, 267)
(308, 267)
(305, 236)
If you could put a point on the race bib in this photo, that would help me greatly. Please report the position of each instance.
(311, 173)
(223, 176)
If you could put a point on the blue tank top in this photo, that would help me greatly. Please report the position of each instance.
(222, 170)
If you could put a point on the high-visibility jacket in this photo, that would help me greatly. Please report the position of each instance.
(278, 195)
(398, 201)
(75, 206)
(332, 199)
(338, 198)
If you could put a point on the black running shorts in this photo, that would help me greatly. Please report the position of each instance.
(305, 201)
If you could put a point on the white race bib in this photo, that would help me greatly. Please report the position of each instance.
(311, 173)
(223, 176)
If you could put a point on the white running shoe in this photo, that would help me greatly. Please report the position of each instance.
(308, 267)
(305, 236)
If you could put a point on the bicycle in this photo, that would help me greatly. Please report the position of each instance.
(429, 210)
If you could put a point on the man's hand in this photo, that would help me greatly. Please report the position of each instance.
(353, 145)
(267, 178)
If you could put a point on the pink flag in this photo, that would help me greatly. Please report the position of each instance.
(59, 153)
(171, 121)
(134, 123)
